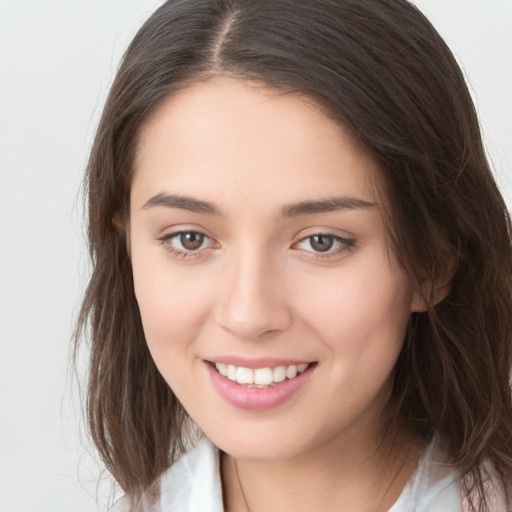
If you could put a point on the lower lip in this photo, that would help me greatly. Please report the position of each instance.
(244, 397)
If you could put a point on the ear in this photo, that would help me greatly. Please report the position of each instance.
(117, 222)
(123, 228)
(429, 293)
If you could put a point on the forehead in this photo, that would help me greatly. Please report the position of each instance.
(225, 136)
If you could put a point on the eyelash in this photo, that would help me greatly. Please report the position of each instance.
(344, 244)
(183, 253)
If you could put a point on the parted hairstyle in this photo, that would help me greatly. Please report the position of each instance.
(382, 71)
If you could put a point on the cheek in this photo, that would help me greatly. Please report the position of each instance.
(173, 311)
(173, 306)
(360, 319)
(359, 312)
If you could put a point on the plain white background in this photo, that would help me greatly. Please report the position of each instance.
(57, 59)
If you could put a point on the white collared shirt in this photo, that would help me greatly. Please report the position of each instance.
(193, 484)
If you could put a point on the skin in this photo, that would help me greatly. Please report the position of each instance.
(257, 287)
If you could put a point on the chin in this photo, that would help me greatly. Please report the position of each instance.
(261, 445)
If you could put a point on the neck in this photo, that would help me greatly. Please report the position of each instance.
(360, 476)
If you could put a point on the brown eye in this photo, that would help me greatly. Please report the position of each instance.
(324, 245)
(184, 244)
(321, 243)
(191, 241)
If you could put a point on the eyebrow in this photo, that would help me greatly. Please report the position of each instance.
(182, 202)
(332, 204)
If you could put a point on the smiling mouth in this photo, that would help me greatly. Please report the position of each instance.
(260, 377)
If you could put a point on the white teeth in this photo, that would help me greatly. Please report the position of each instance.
(260, 377)
(263, 376)
(280, 373)
(245, 376)
(231, 372)
(222, 369)
(291, 371)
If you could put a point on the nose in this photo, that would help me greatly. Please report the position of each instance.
(253, 303)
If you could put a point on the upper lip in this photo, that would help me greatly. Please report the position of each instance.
(263, 362)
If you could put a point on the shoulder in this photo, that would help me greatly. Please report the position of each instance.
(436, 485)
(433, 486)
(193, 482)
(121, 505)
(492, 487)
(189, 485)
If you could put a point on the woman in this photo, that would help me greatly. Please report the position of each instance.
(302, 266)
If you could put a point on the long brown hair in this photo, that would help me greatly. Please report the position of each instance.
(382, 70)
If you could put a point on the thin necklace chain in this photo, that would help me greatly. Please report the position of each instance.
(241, 487)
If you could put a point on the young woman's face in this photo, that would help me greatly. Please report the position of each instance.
(258, 245)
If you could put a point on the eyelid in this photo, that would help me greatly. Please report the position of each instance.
(166, 238)
(345, 244)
